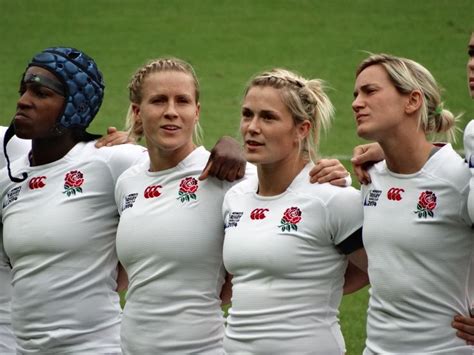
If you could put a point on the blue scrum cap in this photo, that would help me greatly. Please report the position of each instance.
(82, 81)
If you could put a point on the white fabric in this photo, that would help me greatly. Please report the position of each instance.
(61, 245)
(16, 148)
(419, 265)
(171, 248)
(469, 154)
(287, 285)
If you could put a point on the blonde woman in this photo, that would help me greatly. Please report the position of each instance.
(417, 232)
(287, 241)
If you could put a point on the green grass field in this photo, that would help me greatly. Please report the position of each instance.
(229, 41)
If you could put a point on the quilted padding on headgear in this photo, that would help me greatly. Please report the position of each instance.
(83, 82)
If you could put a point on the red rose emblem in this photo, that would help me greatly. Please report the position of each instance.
(74, 179)
(426, 204)
(290, 218)
(427, 200)
(73, 182)
(187, 189)
(188, 185)
(292, 215)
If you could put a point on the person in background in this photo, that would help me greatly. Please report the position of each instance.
(287, 241)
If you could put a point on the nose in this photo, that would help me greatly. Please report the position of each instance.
(170, 111)
(24, 101)
(357, 103)
(470, 63)
(254, 125)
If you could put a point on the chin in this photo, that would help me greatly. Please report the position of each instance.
(253, 158)
(362, 133)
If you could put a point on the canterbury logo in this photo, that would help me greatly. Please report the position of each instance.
(395, 194)
(37, 182)
(258, 213)
(152, 191)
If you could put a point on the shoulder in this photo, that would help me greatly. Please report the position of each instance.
(469, 140)
(247, 186)
(134, 171)
(324, 193)
(122, 152)
(448, 166)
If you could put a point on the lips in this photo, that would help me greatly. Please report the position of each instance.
(170, 127)
(21, 117)
(360, 117)
(253, 143)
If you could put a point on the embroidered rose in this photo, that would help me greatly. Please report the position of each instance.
(290, 218)
(73, 182)
(426, 204)
(187, 189)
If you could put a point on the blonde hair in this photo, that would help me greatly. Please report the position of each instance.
(136, 83)
(305, 99)
(407, 75)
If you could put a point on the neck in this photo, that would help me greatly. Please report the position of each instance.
(45, 151)
(274, 179)
(162, 159)
(407, 155)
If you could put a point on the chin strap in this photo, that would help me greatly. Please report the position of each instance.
(6, 138)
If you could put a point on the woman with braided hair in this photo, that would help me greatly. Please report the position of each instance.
(287, 241)
(170, 234)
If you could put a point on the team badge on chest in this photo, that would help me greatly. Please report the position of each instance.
(290, 219)
(426, 204)
(73, 182)
(187, 189)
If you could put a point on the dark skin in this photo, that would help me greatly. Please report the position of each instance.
(37, 110)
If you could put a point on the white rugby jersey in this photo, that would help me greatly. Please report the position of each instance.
(419, 243)
(59, 229)
(169, 240)
(287, 273)
(16, 148)
(469, 154)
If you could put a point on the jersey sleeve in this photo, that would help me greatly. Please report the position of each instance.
(344, 214)
(118, 195)
(124, 156)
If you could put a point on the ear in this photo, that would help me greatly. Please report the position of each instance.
(303, 129)
(415, 100)
(198, 112)
(137, 124)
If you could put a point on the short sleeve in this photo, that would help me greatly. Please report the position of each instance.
(344, 214)
(123, 157)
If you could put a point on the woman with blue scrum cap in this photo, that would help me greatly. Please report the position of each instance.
(58, 213)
